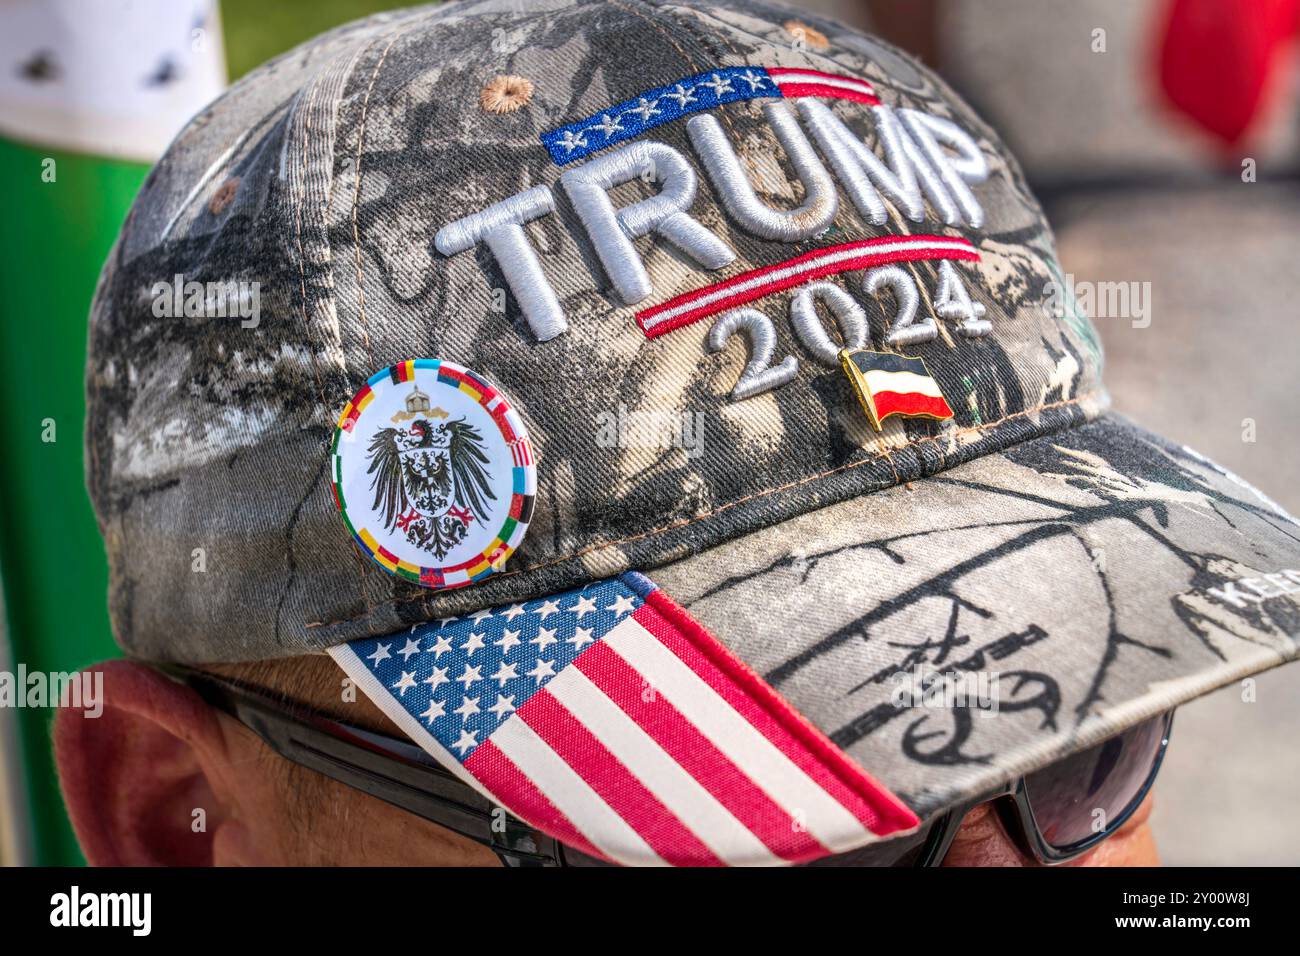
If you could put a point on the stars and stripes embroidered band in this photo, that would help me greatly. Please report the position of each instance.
(757, 283)
(609, 718)
(663, 104)
(889, 384)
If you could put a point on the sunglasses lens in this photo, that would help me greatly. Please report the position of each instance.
(899, 851)
(1073, 800)
(1094, 790)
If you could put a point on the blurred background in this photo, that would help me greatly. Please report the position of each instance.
(1161, 136)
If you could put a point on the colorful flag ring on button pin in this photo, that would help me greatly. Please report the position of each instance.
(433, 473)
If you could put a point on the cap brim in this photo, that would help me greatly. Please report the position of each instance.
(956, 632)
(835, 678)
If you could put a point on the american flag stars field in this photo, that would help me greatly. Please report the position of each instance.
(463, 676)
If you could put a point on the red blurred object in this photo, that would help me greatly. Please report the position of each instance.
(1217, 58)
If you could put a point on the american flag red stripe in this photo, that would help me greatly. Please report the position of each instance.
(765, 710)
(519, 792)
(614, 782)
(623, 728)
(680, 739)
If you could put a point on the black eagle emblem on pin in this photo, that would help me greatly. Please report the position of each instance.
(431, 481)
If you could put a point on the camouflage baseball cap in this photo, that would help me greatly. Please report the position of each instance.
(645, 403)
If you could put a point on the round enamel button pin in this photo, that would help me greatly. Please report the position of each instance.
(433, 473)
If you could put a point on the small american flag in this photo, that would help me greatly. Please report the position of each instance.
(610, 719)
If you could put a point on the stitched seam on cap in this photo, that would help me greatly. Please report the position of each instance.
(356, 195)
(366, 567)
(659, 19)
(327, 168)
(325, 78)
(683, 522)
(299, 197)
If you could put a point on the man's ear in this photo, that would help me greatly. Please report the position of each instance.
(148, 781)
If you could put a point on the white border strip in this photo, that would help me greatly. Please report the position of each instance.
(809, 79)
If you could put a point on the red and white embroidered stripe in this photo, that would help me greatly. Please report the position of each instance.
(757, 283)
(695, 754)
(799, 82)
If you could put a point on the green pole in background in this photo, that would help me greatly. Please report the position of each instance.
(51, 557)
(90, 95)
(91, 92)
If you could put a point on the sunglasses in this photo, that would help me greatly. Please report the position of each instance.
(1053, 815)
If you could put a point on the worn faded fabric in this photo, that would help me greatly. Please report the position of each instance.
(350, 153)
(1032, 533)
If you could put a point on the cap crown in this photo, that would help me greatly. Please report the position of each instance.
(320, 189)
